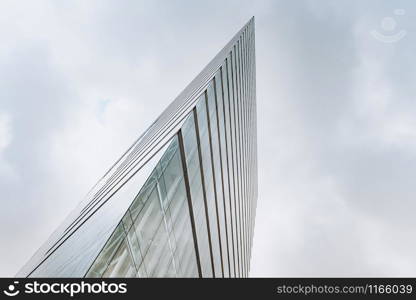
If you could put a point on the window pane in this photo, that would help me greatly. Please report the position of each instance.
(192, 161)
(209, 178)
(154, 254)
(121, 264)
(220, 164)
(234, 121)
(226, 150)
(230, 137)
(101, 262)
(148, 221)
(135, 247)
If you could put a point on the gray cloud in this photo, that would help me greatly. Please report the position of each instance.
(80, 81)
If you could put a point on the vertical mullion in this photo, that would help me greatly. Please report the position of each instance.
(220, 134)
(201, 168)
(213, 169)
(243, 150)
(254, 124)
(246, 148)
(236, 157)
(248, 141)
(189, 199)
(250, 177)
(228, 148)
(251, 64)
(247, 115)
(234, 167)
(240, 149)
(245, 138)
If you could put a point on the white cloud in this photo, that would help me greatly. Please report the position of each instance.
(5, 131)
(336, 116)
(6, 170)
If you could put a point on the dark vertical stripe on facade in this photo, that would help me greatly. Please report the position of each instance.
(233, 167)
(223, 167)
(213, 168)
(188, 196)
(204, 193)
(235, 160)
(228, 150)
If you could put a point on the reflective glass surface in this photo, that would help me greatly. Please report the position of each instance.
(209, 180)
(222, 172)
(197, 194)
(186, 211)
(144, 244)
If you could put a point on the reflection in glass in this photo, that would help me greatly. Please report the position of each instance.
(144, 243)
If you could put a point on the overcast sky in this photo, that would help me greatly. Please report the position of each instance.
(81, 80)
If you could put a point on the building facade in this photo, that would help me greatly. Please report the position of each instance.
(181, 200)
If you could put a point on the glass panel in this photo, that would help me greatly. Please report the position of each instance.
(245, 139)
(142, 273)
(121, 264)
(226, 150)
(148, 221)
(220, 155)
(161, 212)
(101, 262)
(231, 157)
(172, 177)
(127, 221)
(182, 232)
(171, 271)
(192, 161)
(188, 267)
(236, 158)
(245, 158)
(222, 190)
(156, 251)
(177, 218)
(238, 105)
(134, 247)
(165, 263)
(142, 197)
(209, 178)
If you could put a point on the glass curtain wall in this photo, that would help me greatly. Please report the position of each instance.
(194, 215)
(154, 238)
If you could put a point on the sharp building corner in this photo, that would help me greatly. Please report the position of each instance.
(181, 201)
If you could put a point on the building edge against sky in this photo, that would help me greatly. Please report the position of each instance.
(181, 201)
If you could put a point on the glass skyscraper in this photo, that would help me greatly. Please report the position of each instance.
(181, 201)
